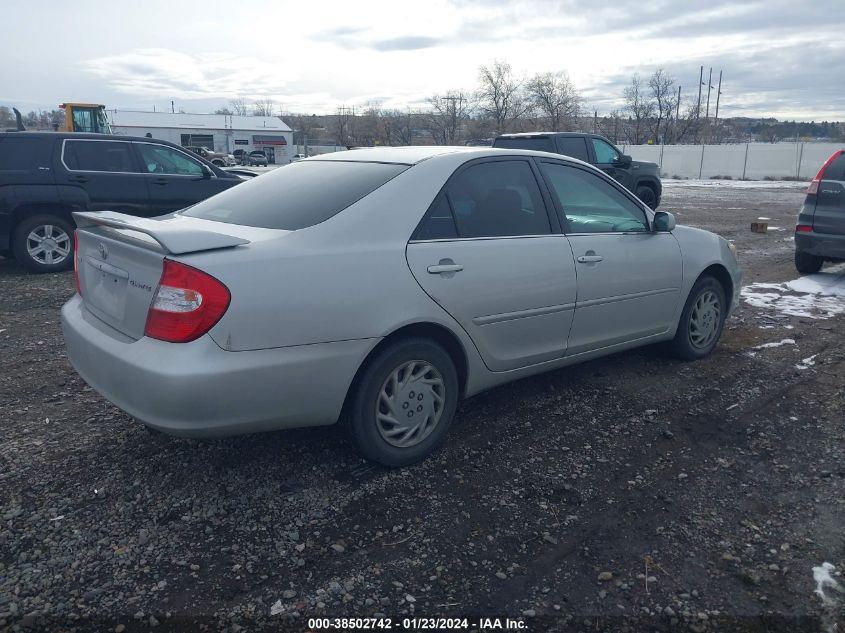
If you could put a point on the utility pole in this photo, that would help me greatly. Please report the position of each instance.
(700, 83)
(718, 94)
(677, 116)
(709, 86)
(172, 107)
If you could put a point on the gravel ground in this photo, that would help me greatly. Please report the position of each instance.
(633, 492)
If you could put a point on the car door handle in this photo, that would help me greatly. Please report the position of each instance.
(160, 181)
(445, 268)
(589, 259)
(79, 179)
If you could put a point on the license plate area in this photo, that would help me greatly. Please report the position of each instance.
(105, 288)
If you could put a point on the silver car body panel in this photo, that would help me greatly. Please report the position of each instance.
(309, 305)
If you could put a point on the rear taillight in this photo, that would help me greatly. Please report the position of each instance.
(76, 262)
(803, 228)
(813, 189)
(187, 304)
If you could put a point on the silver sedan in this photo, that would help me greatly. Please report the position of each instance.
(379, 287)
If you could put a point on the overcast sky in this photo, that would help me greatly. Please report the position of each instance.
(782, 58)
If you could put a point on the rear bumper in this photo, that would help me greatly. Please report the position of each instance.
(198, 389)
(825, 245)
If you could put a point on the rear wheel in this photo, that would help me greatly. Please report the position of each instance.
(807, 264)
(218, 162)
(44, 243)
(404, 402)
(701, 321)
(648, 196)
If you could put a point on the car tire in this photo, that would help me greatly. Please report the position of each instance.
(415, 415)
(56, 255)
(807, 264)
(647, 195)
(702, 320)
(218, 162)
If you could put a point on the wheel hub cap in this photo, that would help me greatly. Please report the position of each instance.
(48, 244)
(410, 404)
(704, 319)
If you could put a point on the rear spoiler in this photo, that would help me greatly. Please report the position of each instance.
(177, 234)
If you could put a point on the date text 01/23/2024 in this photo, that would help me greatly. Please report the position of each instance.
(416, 624)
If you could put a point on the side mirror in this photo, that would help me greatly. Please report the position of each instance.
(663, 221)
(623, 161)
(207, 172)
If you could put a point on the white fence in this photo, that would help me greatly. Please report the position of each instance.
(754, 161)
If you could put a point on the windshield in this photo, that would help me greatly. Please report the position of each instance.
(296, 196)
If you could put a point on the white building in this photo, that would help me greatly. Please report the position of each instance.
(218, 132)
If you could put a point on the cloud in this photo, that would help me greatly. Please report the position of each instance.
(407, 43)
(160, 72)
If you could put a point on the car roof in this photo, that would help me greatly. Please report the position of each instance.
(419, 153)
(546, 134)
(87, 136)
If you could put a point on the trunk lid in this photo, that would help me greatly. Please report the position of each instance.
(121, 258)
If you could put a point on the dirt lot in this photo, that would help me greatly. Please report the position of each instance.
(629, 493)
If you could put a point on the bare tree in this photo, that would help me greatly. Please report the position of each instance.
(500, 94)
(223, 110)
(554, 97)
(446, 119)
(239, 106)
(640, 107)
(664, 97)
(264, 107)
(612, 126)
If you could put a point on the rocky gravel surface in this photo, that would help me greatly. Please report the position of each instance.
(630, 493)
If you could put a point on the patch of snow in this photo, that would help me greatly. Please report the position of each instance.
(735, 184)
(807, 362)
(824, 580)
(786, 341)
(819, 296)
(762, 218)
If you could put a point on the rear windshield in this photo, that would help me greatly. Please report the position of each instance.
(538, 143)
(296, 196)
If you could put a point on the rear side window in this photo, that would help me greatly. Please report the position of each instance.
(296, 196)
(537, 143)
(573, 146)
(111, 156)
(24, 154)
(497, 199)
(836, 169)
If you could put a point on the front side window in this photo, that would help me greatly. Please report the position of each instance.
(497, 199)
(112, 156)
(158, 159)
(590, 204)
(605, 153)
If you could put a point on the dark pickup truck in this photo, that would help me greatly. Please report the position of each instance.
(640, 178)
(45, 176)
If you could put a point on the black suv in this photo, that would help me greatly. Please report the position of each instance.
(640, 178)
(45, 176)
(820, 232)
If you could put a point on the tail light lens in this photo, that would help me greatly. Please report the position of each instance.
(76, 262)
(187, 304)
(803, 228)
(813, 189)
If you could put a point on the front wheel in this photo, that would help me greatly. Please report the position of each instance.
(701, 321)
(44, 244)
(647, 195)
(404, 403)
(807, 264)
